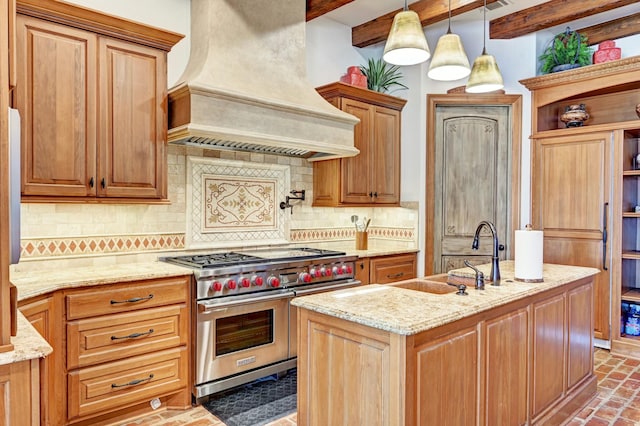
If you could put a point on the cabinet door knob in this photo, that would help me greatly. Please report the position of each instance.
(91, 182)
(103, 183)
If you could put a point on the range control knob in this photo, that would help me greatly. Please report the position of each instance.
(346, 269)
(256, 280)
(230, 284)
(273, 281)
(324, 272)
(314, 273)
(304, 277)
(245, 282)
(216, 286)
(335, 270)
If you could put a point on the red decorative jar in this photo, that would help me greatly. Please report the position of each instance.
(354, 77)
(607, 51)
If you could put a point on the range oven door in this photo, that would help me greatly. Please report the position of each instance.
(241, 334)
(305, 291)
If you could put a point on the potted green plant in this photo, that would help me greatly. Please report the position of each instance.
(381, 76)
(566, 50)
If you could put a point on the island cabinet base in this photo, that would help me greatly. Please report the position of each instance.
(526, 362)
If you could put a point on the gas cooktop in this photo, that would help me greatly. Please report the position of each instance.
(249, 257)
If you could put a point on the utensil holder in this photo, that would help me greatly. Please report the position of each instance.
(362, 240)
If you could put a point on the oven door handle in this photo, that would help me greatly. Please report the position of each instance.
(327, 288)
(208, 306)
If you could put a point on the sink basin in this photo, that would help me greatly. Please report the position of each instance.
(436, 284)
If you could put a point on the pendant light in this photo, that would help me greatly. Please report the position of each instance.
(485, 74)
(406, 43)
(449, 60)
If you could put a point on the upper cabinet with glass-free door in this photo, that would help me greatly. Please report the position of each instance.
(91, 89)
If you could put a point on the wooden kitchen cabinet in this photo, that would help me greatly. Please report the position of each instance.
(582, 182)
(527, 362)
(387, 269)
(371, 178)
(125, 345)
(133, 335)
(46, 315)
(98, 129)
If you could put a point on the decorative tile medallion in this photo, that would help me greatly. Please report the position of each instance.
(235, 203)
(238, 203)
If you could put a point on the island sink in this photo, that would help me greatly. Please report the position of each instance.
(436, 284)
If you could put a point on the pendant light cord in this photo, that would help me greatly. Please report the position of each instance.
(449, 29)
(405, 5)
(484, 28)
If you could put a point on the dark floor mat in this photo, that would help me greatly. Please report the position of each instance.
(256, 403)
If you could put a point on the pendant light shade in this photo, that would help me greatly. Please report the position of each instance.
(485, 74)
(449, 60)
(406, 44)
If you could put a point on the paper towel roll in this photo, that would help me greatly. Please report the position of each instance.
(528, 256)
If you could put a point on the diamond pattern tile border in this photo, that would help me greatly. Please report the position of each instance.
(381, 233)
(74, 246)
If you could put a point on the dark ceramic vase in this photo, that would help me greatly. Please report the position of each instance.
(574, 115)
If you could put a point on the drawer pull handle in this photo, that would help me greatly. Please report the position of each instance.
(398, 275)
(132, 300)
(133, 335)
(132, 383)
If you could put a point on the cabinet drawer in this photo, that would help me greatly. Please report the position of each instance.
(123, 298)
(111, 337)
(388, 269)
(122, 383)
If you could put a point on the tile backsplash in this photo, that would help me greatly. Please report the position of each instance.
(91, 231)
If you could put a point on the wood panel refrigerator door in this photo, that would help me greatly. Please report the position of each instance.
(472, 182)
(133, 121)
(56, 96)
(570, 196)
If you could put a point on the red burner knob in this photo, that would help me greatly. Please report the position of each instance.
(231, 284)
(304, 277)
(216, 286)
(273, 282)
(349, 269)
(257, 280)
(245, 282)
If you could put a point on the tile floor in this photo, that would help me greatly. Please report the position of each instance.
(616, 403)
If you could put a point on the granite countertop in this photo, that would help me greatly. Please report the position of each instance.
(408, 312)
(27, 344)
(35, 283)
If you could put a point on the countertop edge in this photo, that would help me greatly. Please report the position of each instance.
(27, 344)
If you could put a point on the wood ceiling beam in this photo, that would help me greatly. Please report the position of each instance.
(549, 14)
(611, 30)
(317, 8)
(429, 11)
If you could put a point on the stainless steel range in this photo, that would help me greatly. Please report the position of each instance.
(244, 326)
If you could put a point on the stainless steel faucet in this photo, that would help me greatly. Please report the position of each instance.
(495, 261)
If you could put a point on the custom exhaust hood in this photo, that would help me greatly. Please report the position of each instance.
(245, 85)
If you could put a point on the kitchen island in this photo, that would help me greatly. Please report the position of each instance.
(520, 353)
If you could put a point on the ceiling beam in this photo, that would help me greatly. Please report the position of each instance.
(317, 8)
(429, 11)
(549, 14)
(611, 30)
